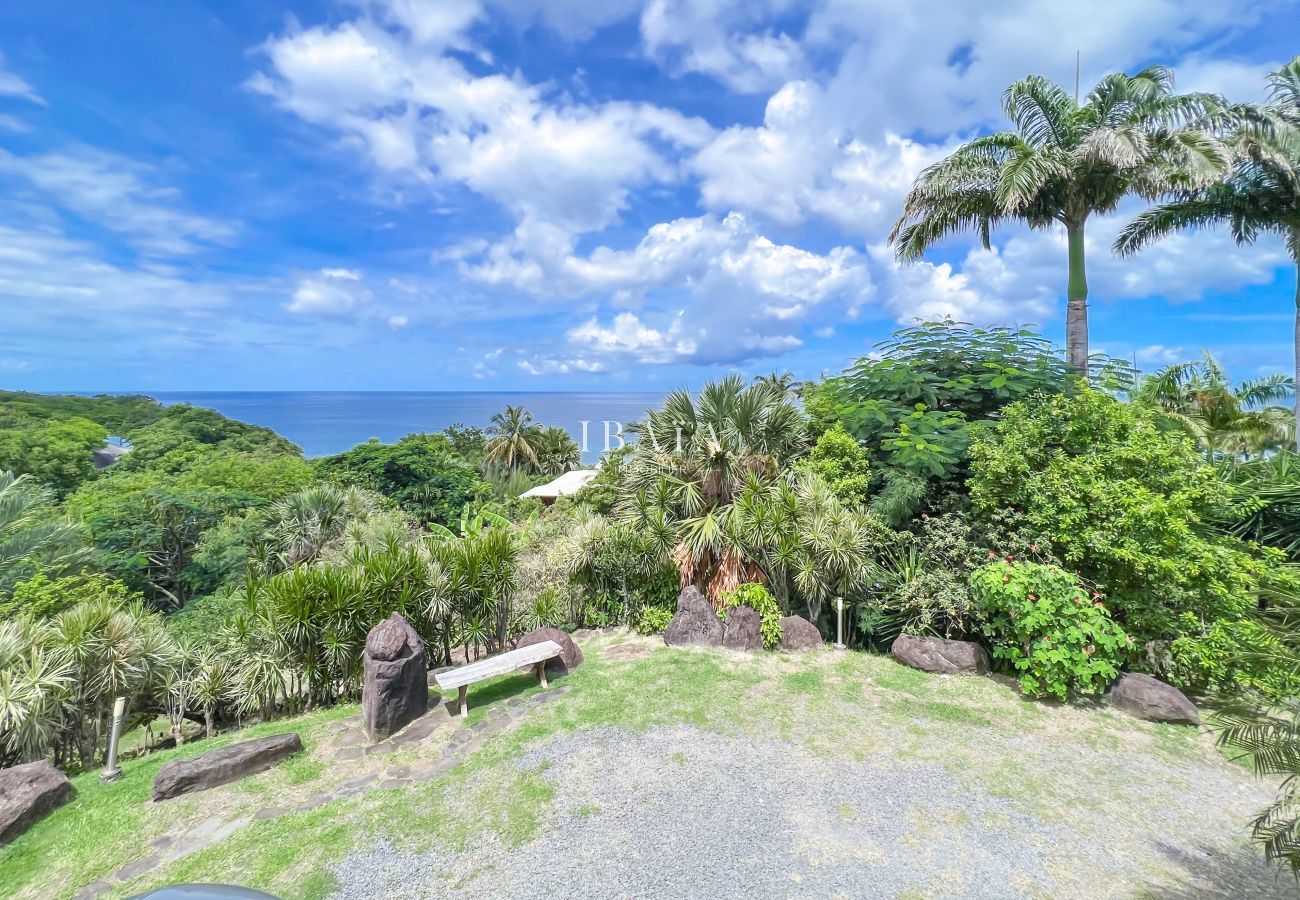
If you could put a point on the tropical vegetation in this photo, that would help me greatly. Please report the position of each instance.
(1073, 516)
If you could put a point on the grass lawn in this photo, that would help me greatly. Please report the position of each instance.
(1084, 771)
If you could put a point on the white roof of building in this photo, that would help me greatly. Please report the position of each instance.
(568, 483)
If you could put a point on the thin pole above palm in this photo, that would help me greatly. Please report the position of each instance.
(1261, 196)
(1062, 163)
(515, 440)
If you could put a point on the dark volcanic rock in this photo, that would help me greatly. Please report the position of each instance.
(27, 793)
(218, 767)
(933, 654)
(743, 629)
(1150, 698)
(695, 621)
(797, 633)
(567, 661)
(395, 689)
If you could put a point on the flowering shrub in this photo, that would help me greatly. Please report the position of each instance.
(1058, 638)
(757, 597)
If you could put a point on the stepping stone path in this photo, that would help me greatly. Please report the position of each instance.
(349, 739)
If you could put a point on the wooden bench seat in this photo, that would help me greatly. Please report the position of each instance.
(535, 655)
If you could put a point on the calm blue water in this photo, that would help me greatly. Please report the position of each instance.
(333, 421)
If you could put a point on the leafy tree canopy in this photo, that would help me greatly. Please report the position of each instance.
(54, 452)
(913, 401)
(421, 472)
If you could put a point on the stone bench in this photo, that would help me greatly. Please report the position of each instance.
(535, 655)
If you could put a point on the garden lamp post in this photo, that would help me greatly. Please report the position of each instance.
(839, 624)
(112, 771)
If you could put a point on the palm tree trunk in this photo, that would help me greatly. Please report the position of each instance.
(1296, 350)
(1076, 313)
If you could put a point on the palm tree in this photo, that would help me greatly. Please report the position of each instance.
(1226, 420)
(557, 452)
(32, 536)
(780, 382)
(692, 459)
(1062, 163)
(515, 439)
(1262, 194)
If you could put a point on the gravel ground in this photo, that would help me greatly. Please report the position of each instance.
(680, 812)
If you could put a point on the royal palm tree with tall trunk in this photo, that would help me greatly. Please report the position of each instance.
(1064, 162)
(1260, 197)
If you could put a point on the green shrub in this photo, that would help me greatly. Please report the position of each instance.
(653, 620)
(761, 601)
(1041, 621)
(1129, 505)
(842, 463)
(41, 596)
(1230, 654)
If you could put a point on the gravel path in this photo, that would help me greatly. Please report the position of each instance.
(680, 812)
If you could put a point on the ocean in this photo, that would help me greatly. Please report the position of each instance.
(326, 422)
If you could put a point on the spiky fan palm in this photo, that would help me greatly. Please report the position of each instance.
(1062, 163)
(693, 457)
(1260, 197)
(557, 452)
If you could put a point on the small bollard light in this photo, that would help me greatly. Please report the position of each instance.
(112, 771)
(839, 624)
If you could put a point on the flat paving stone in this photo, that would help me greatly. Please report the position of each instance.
(137, 868)
(271, 812)
(313, 802)
(357, 781)
(94, 889)
(353, 738)
(349, 753)
(416, 731)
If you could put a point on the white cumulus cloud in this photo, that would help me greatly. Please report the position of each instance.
(330, 292)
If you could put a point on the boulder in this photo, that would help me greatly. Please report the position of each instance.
(743, 629)
(395, 685)
(218, 767)
(567, 661)
(1150, 698)
(932, 654)
(797, 633)
(27, 793)
(695, 621)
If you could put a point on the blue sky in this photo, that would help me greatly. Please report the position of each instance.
(530, 195)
